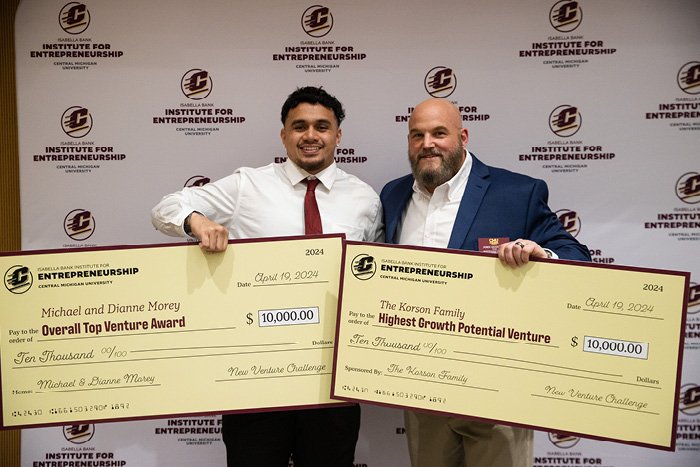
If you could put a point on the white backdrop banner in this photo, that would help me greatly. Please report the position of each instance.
(122, 102)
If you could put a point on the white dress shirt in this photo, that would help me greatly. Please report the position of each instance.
(269, 202)
(428, 219)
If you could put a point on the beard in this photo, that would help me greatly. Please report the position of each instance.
(313, 166)
(432, 178)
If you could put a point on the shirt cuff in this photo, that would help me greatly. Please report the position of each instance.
(550, 253)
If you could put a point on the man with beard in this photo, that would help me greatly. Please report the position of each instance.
(269, 201)
(453, 200)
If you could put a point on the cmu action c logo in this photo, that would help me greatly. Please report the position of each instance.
(196, 84)
(563, 441)
(689, 78)
(688, 188)
(79, 224)
(363, 267)
(565, 121)
(197, 180)
(440, 82)
(317, 21)
(18, 279)
(693, 298)
(565, 16)
(78, 434)
(689, 402)
(76, 122)
(74, 18)
(570, 221)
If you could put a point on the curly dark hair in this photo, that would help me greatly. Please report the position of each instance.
(313, 95)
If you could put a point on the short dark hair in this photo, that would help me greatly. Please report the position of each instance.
(313, 95)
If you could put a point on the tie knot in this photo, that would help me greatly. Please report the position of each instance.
(311, 184)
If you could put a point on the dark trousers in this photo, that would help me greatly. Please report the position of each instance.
(314, 437)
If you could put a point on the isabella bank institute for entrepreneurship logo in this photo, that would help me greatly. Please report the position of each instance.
(317, 21)
(441, 81)
(76, 122)
(18, 279)
(74, 18)
(565, 16)
(196, 84)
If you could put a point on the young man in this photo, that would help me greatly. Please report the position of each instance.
(269, 201)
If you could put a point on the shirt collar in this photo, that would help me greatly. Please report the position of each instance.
(296, 174)
(454, 187)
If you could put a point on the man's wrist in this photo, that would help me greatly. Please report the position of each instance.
(186, 225)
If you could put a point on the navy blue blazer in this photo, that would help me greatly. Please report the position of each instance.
(496, 203)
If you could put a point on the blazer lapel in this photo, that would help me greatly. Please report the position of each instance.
(476, 188)
(395, 206)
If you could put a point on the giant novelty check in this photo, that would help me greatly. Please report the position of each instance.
(569, 347)
(152, 331)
